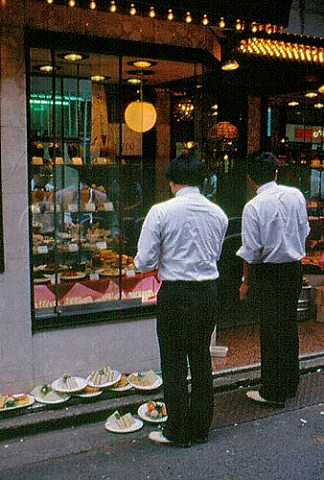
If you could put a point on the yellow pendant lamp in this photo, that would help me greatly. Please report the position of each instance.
(140, 116)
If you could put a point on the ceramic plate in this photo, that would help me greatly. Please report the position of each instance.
(142, 413)
(88, 395)
(133, 428)
(31, 400)
(153, 386)
(52, 398)
(115, 378)
(124, 388)
(61, 387)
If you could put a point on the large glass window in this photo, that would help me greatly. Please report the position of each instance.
(94, 173)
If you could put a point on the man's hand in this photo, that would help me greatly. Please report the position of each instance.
(243, 291)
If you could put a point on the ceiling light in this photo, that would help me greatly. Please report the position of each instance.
(73, 57)
(321, 89)
(134, 81)
(93, 5)
(318, 105)
(98, 78)
(46, 68)
(230, 64)
(311, 94)
(72, 3)
(142, 63)
(152, 12)
(132, 9)
(293, 104)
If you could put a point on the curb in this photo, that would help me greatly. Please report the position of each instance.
(39, 418)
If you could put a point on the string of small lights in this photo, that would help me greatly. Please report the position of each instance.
(172, 14)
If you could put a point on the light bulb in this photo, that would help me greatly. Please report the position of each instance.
(113, 7)
(222, 23)
(71, 3)
(50, 1)
(205, 20)
(188, 17)
(238, 25)
(152, 12)
(132, 10)
(93, 5)
(170, 15)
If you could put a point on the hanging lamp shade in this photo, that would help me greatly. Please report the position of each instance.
(140, 116)
(225, 130)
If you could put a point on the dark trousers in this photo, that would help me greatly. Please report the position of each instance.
(277, 288)
(187, 313)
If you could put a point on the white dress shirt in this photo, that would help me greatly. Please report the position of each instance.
(274, 225)
(182, 237)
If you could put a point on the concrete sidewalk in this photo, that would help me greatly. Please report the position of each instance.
(236, 408)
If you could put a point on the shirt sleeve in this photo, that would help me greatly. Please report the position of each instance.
(251, 249)
(149, 243)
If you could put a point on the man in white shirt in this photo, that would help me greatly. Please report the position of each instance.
(274, 230)
(182, 238)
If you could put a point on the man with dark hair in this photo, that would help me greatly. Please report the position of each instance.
(183, 237)
(274, 229)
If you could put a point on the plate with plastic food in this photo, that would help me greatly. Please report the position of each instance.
(45, 394)
(153, 411)
(118, 423)
(105, 377)
(122, 385)
(145, 380)
(89, 392)
(72, 275)
(69, 384)
(14, 401)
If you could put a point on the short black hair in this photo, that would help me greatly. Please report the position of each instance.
(186, 169)
(262, 166)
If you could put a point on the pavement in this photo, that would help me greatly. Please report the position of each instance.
(231, 404)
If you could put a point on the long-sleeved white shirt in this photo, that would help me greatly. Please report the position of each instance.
(274, 225)
(182, 238)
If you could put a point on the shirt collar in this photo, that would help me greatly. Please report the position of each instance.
(186, 191)
(266, 187)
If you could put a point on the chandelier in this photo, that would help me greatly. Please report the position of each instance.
(184, 110)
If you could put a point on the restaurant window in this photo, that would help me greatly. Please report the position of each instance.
(93, 175)
(86, 187)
